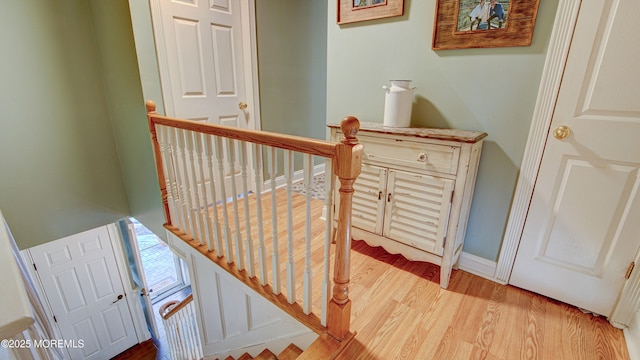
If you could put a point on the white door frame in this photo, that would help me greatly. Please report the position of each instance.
(131, 294)
(249, 42)
(552, 73)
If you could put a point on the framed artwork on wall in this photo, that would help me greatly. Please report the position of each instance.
(462, 24)
(360, 10)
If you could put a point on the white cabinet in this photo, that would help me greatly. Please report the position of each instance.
(414, 192)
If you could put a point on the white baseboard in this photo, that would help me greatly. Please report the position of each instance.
(479, 266)
(297, 177)
(632, 338)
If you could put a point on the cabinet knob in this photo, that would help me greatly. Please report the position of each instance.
(422, 157)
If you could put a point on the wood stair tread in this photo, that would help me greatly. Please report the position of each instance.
(291, 352)
(245, 356)
(266, 354)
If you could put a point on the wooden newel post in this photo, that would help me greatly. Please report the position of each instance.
(347, 168)
(157, 154)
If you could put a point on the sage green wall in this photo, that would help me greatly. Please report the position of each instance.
(146, 52)
(491, 90)
(115, 42)
(292, 58)
(60, 172)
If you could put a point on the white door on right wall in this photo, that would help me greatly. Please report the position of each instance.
(583, 225)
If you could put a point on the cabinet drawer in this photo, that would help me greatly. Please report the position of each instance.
(422, 156)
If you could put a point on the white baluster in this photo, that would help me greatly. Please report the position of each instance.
(168, 173)
(194, 329)
(275, 256)
(187, 176)
(308, 179)
(225, 214)
(204, 209)
(216, 235)
(172, 161)
(189, 335)
(329, 179)
(175, 137)
(200, 233)
(291, 267)
(179, 336)
(171, 328)
(262, 251)
(250, 259)
(237, 236)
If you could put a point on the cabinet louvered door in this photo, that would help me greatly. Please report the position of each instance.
(368, 207)
(417, 210)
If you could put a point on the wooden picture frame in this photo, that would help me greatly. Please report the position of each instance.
(454, 23)
(350, 11)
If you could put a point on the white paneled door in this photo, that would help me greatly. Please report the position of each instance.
(80, 278)
(204, 50)
(581, 232)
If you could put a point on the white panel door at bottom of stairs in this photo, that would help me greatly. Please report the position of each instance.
(80, 277)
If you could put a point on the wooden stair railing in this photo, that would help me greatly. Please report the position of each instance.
(201, 168)
(179, 321)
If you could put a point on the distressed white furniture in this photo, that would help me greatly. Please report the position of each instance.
(414, 193)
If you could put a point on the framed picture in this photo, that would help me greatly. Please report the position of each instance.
(360, 10)
(461, 24)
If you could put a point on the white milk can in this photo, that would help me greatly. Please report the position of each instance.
(398, 101)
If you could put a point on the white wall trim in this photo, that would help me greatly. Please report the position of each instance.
(297, 177)
(558, 51)
(479, 266)
(632, 338)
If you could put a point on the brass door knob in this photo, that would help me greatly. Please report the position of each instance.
(561, 132)
(242, 105)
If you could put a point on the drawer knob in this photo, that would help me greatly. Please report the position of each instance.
(422, 157)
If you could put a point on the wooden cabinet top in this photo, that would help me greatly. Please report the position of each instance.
(421, 132)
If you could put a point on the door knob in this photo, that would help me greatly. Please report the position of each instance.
(242, 105)
(561, 132)
(118, 299)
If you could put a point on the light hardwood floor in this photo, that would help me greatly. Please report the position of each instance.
(399, 310)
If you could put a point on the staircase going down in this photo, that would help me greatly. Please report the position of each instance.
(291, 352)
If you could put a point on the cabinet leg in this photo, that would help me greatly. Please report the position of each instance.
(445, 275)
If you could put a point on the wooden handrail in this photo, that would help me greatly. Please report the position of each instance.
(290, 142)
(176, 308)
